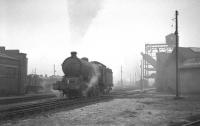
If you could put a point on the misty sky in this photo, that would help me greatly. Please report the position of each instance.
(110, 31)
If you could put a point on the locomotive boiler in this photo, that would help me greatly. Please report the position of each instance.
(84, 78)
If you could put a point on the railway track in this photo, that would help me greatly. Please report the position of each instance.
(193, 123)
(23, 110)
(52, 104)
(130, 92)
(13, 100)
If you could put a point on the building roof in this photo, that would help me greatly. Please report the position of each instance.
(190, 66)
(2, 55)
(191, 63)
(186, 53)
(195, 49)
(189, 57)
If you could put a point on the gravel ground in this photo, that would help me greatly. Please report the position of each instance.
(149, 109)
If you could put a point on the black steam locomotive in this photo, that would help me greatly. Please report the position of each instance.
(84, 78)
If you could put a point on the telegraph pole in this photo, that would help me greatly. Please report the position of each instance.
(141, 79)
(121, 76)
(135, 78)
(54, 70)
(177, 57)
(35, 71)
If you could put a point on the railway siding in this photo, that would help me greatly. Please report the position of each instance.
(28, 109)
(52, 104)
(120, 108)
(26, 98)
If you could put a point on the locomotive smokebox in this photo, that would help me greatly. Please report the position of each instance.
(73, 54)
(75, 67)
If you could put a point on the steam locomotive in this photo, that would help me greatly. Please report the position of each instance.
(83, 78)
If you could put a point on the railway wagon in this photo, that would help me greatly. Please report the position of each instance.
(40, 84)
(34, 83)
(84, 78)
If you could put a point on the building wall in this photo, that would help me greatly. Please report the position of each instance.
(189, 76)
(190, 80)
(9, 79)
(13, 72)
(161, 72)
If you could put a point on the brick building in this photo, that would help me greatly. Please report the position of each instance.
(13, 72)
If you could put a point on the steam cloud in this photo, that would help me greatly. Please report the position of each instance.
(47, 85)
(95, 76)
(81, 13)
(94, 79)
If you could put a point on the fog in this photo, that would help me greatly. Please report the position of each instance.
(109, 31)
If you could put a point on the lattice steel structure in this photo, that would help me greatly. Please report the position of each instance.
(151, 50)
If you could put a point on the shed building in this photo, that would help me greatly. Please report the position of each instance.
(189, 67)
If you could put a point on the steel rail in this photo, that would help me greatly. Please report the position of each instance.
(14, 112)
(25, 99)
(193, 123)
(48, 105)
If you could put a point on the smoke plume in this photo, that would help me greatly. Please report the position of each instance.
(81, 13)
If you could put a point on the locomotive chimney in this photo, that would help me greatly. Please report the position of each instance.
(73, 54)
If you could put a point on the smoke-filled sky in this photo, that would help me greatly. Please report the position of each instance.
(110, 31)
